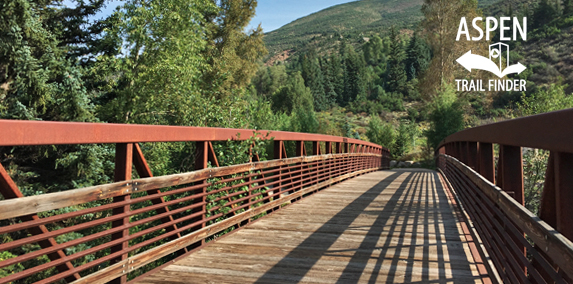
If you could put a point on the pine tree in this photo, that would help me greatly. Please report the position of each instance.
(336, 71)
(418, 57)
(567, 7)
(36, 79)
(314, 79)
(354, 76)
(543, 13)
(396, 79)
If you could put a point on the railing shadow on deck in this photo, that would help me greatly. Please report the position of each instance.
(404, 209)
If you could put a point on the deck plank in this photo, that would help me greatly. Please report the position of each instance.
(383, 227)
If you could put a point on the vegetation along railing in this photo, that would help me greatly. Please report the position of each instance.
(485, 166)
(116, 232)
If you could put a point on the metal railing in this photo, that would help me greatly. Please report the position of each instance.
(523, 247)
(142, 223)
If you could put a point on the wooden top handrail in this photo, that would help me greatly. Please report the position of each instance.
(548, 131)
(26, 133)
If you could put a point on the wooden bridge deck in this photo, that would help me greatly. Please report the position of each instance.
(384, 227)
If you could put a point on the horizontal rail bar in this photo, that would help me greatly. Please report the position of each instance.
(54, 133)
(549, 131)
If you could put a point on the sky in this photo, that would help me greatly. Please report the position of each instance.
(271, 14)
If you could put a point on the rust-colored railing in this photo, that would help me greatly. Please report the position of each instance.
(142, 223)
(523, 247)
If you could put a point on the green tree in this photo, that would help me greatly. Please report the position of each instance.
(36, 79)
(396, 79)
(314, 80)
(354, 76)
(159, 77)
(418, 57)
(567, 7)
(381, 133)
(232, 54)
(293, 95)
(446, 116)
(269, 79)
(543, 14)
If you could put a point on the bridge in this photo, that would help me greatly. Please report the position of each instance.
(324, 209)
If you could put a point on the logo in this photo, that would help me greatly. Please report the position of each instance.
(498, 61)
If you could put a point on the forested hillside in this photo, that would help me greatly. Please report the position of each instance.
(353, 21)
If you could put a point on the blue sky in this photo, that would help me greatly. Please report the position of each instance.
(271, 14)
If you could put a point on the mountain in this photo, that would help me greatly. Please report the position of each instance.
(354, 20)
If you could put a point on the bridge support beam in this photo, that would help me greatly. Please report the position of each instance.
(123, 171)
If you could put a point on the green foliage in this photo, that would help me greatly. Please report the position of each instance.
(232, 53)
(293, 95)
(405, 139)
(381, 133)
(418, 58)
(534, 168)
(543, 14)
(547, 99)
(11, 269)
(446, 116)
(396, 80)
(161, 71)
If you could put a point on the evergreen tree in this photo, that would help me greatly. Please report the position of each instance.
(314, 80)
(396, 79)
(336, 71)
(36, 79)
(418, 57)
(567, 7)
(269, 79)
(543, 13)
(354, 76)
(329, 85)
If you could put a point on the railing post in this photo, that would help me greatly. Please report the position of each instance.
(277, 155)
(512, 172)
(123, 170)
(299, 152)
(472, 152)
(202, 162)
(511, 159)
(564, 193)
(487, 161)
